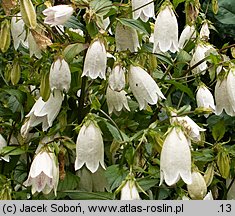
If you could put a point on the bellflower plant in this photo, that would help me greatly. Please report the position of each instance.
(3, 143)
(43, 112)
(95, 61)
(175, 159)
(143, 87)
(141, 10)
(60, 75)
(89, 147)
(126, 38)
(44, 173)
(166, 30)
(129, 191)
(57, 15)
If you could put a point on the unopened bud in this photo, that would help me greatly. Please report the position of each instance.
(28, 13)
(209, 174)
(197, 190)
(45, 87)
(223, 163)
(15, 73)
(5, 36)
(215, 6)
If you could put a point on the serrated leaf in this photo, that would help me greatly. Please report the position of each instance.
(101, 7)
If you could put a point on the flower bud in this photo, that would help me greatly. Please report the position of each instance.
(209, 174)
(5, 36)
(15, 73)
(223, 163)
(45, 87)
(215, 6)
(28, 13)
(197, 190)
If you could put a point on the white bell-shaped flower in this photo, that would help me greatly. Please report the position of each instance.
(205, 99)
(3, 143)
(166, 31)
(44, 173)
(143, 9)
(18, 32)
(200, 53)
(208, 196)
(197, 189)
(60, 75)
(231, 87)
(116, 101)
(43, 112)
(117, 79)
(89, 147)
(33, 47)
(205, 32)
(95, 60)
(222, 98)
(189, 33)
(191, 128)
(57, 15)
(175, 159)
(126, 38)
(129, 191)
(143, 86)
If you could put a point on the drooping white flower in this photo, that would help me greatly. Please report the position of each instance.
(129, 191)
(89, 147)
(3, 143)
(117, 79)
(208, 196)
(175, 159)
(57, 15)
(18, 32)
(95, 60)
(165, 31)
(43, 112)
(231, 87)
(187, 34)
(200, 53)
(116, 101)
(126, 38)
(143, 87)
(44, 173)
(222, 98)
(197, 189)
(33, 47)
(205, 99)
(191, 128)
(141, 11)
(60, 75)
(205, 32)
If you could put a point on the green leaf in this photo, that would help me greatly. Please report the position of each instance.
(181, 87)
(70, 182)
(101, 7)
(72, 50)
(79, 195)
(146, 183)
(226, 13)
(218, 130)
(11, 150)
(74, 23)
(136, 24)
(115, 176)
